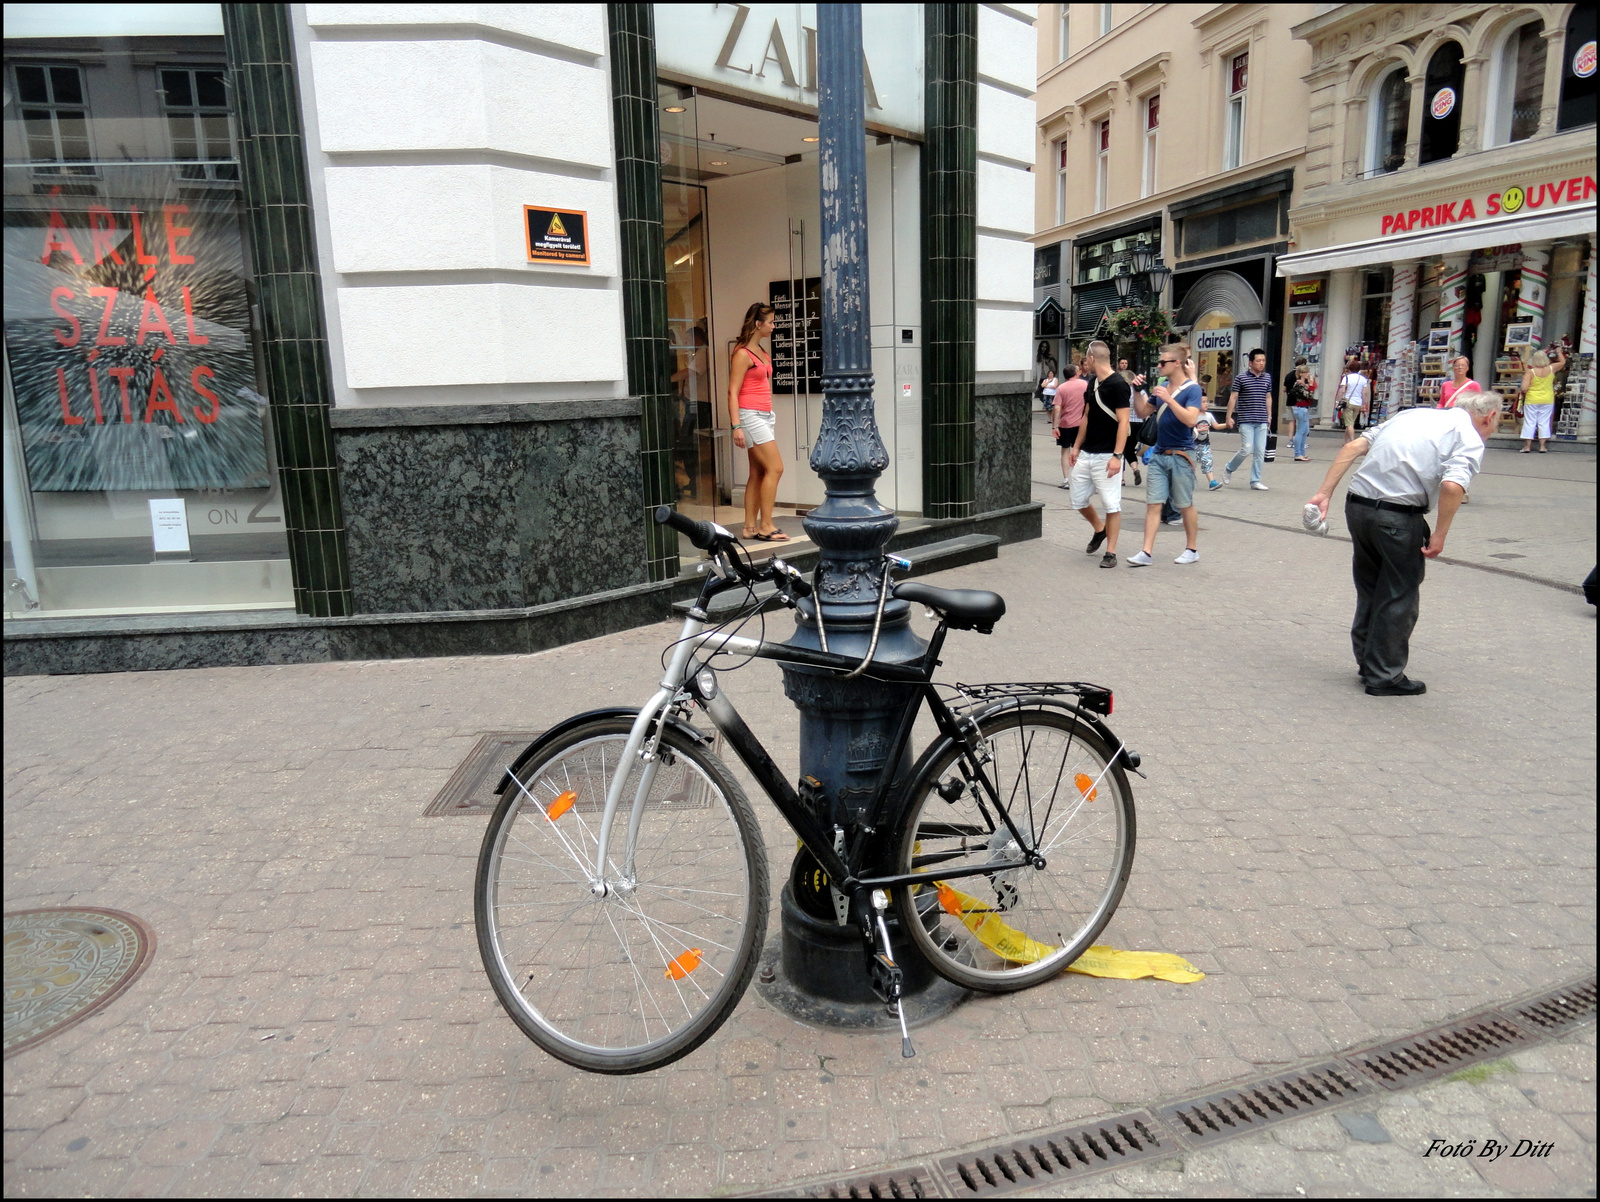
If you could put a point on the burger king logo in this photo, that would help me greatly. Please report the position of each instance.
(1511, 200)
(1583, 61)
(1444, 103)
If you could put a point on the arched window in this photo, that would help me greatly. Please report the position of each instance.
(1390, 122)
(1519, 85)
(1441, 112)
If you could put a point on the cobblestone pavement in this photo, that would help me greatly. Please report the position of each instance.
(1345, 869)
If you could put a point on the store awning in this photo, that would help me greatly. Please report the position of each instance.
(1468, 236)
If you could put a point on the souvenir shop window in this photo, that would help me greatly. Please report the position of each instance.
(147, 479)
(1377, 285)
(1391, 120)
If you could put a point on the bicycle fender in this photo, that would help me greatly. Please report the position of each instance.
(560, 729)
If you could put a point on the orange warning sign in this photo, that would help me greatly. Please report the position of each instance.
(557, 235)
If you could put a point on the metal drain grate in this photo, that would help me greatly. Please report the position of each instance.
(1234, 1111)
(470, 789)
(914, 1182)
(1556, 1011)
(1441, 1051)
(1057, 1157)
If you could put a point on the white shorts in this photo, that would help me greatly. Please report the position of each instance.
(759, 426)
(1089, 477)
(1536, 420)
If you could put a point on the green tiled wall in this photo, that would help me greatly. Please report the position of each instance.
(294, 339)
(949, 258)
(644, 285)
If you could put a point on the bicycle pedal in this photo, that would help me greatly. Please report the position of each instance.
(887, 979)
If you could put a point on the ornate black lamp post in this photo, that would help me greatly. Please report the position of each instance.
(846, 726)
(1155, 272)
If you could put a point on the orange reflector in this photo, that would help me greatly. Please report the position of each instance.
(948, 900)
(1086, 786)
(561, 805)
(685, 964)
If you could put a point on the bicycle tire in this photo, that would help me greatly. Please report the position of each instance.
(1006, 931)
(631, 981)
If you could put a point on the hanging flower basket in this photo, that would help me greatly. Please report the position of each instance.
(1149, 326)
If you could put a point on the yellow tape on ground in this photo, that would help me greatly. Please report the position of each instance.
(1011, 944)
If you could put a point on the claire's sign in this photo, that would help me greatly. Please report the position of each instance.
(1515, 199)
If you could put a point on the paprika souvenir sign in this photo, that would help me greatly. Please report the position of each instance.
(1444, 103)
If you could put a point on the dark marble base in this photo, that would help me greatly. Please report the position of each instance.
(1002, 446)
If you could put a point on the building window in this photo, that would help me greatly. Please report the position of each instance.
(1064, 48)
(1577, 70)
(1061, 181)
(1238, 81)
(1105, 19)
(1102, 165)
(196, 105)
(1390, 123)
(1253, 222)
(1518, 86)
(1152, 131)
(1441, 112)
(54, 118)
(1376, 285)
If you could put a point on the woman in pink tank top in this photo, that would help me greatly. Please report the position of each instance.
(754, 429)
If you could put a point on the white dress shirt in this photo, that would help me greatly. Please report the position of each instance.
(1414, 452)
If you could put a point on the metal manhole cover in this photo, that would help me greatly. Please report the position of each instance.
(63, 964)
(1231, 1112)
(1057, 1157)
(1441, 1051)
(470, 789)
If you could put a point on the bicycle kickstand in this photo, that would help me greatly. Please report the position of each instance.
(887, 979)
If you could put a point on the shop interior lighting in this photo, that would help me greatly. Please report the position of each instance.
(682, 259)
(719, 162)
(813, 139)
(673, 108)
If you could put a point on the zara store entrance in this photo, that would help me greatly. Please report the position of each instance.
(741, 222)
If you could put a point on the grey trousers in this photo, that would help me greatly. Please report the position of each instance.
(1388, 567)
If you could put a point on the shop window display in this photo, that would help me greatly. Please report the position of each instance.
(132, 372)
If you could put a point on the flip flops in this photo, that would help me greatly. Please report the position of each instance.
(777, 536)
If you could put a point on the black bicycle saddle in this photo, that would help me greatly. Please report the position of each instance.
(963, 608)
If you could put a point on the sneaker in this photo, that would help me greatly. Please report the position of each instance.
(1227, 475)
(1140, 559)
(1108, 560)
(1173, 522)
(1215, 484)
(1137, 478)
(1259, 487)
(1094, 543)
(1404, 687)
(1065, 484)
(1190, 555)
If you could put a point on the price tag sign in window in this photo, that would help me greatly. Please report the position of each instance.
(169, 525)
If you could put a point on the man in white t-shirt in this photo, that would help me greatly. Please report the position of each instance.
(1416, 458)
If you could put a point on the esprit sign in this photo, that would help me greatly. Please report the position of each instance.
(770, 50)
(1515, 199)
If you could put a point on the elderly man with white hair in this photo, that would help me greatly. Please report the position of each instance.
(1416, 458)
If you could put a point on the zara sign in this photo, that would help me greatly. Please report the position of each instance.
(769, 51)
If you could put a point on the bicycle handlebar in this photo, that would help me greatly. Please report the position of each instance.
(702, 534)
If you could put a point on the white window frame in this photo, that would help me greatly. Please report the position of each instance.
(1502, 88)
(1234, 113)
(58, 166)
(1060, 150)
(1106, 23)
(1152, 145)
(1374, 152)
(1064, 34)
(1102, 163)
(203, 165)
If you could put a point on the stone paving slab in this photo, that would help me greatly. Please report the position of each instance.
(1346, 870)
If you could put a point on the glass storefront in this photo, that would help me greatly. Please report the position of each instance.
(140, 471)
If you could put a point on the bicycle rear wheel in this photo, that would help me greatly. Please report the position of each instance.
(636, 979)
(1015, 927)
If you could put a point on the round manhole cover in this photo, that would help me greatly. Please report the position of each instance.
(63, 964)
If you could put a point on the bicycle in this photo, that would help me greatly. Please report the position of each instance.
(619, 947)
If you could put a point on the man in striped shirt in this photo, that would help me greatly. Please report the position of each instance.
(1252, 394)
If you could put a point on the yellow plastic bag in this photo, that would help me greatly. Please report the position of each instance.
(1099, 961)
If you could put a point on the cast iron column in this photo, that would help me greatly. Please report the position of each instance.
(846, 726)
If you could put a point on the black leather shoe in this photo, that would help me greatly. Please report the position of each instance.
(1094, 543)
(1404, 687)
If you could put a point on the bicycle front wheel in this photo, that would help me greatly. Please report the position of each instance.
(642, 976)
(1056, 781)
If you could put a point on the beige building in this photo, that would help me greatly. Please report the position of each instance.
(1177, 130)
(1447, 194)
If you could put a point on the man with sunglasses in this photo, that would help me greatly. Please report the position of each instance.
(1172, 471)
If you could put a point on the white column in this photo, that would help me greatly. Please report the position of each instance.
(1483, 355)
(1535, 287)
(1453, 297)
(1402, 309)
(1342, 300)
(1586, 340)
